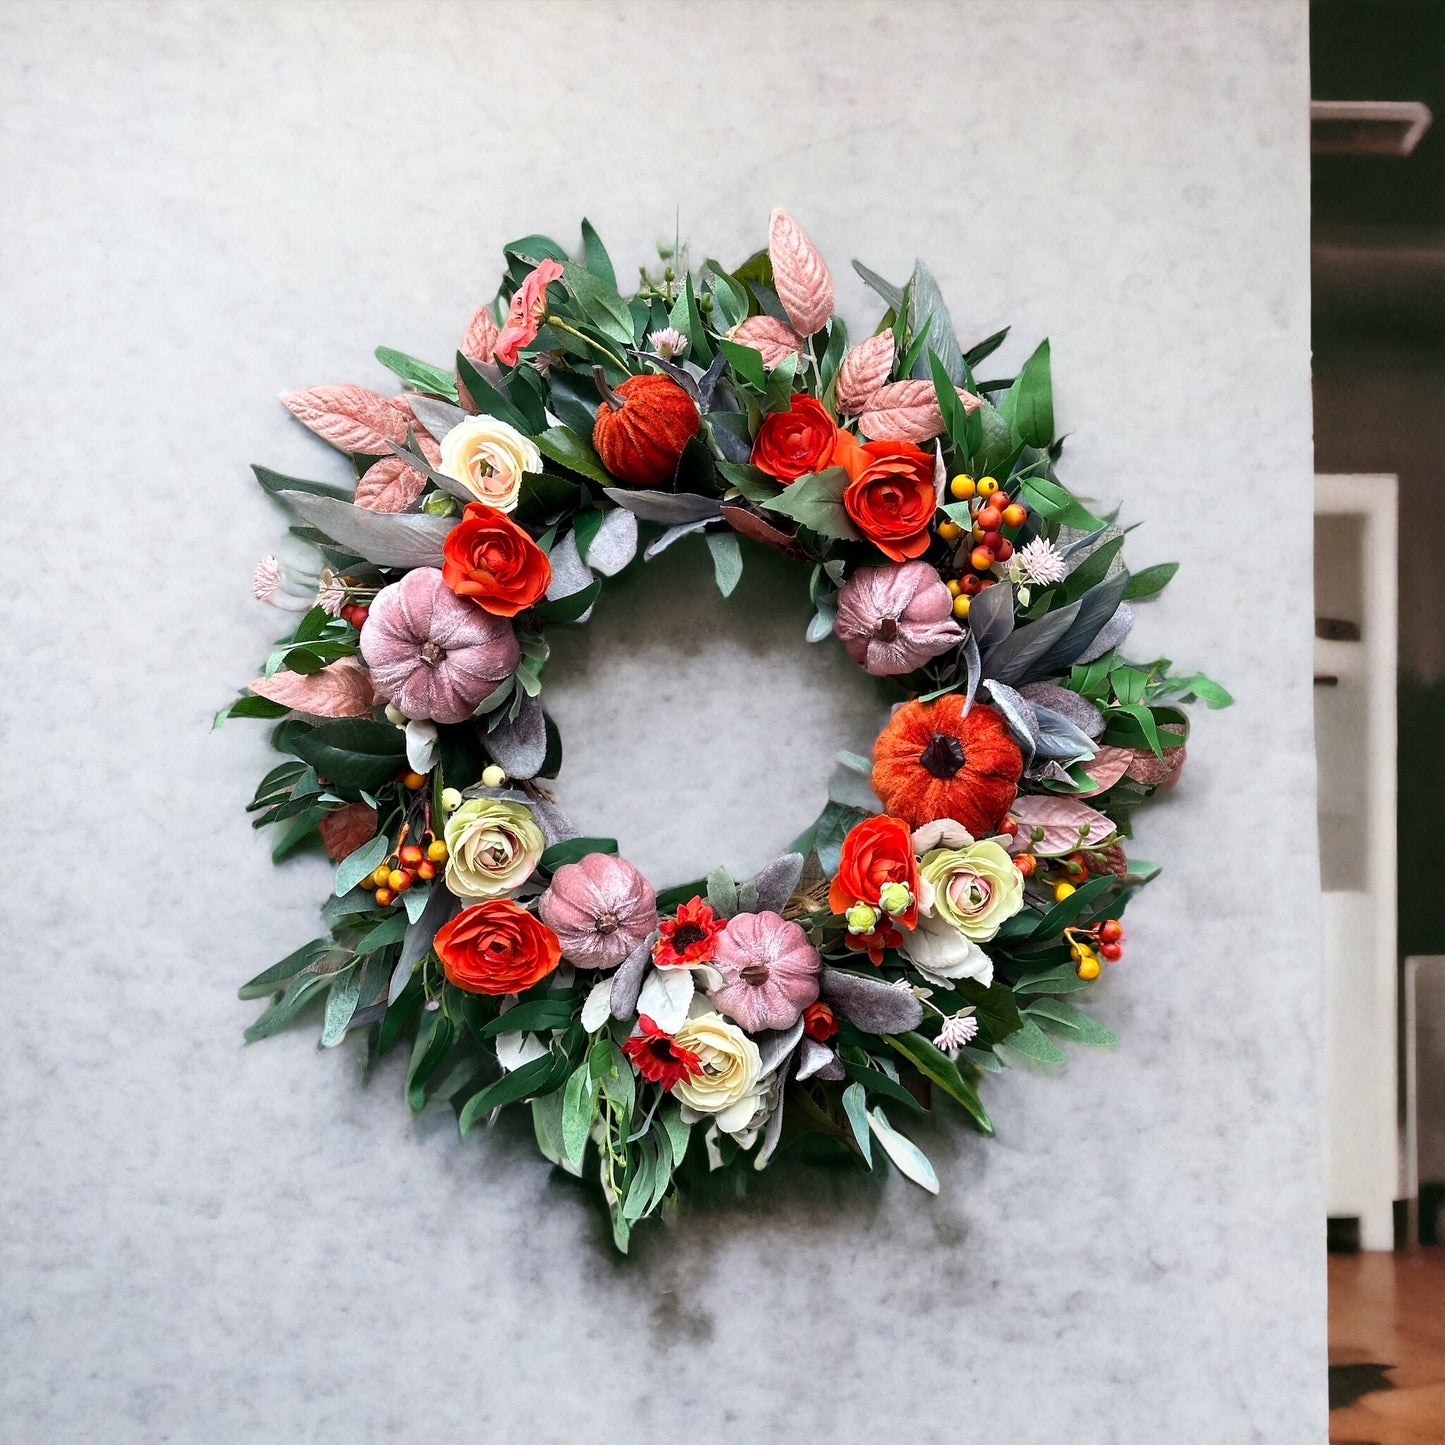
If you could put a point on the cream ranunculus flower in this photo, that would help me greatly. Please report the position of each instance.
(492, 848)
(488, 457)
(731, 1081)
(973, 888)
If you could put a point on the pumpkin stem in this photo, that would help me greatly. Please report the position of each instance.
(942, 756)
(756, 974)
(609, 396)
(887, 629)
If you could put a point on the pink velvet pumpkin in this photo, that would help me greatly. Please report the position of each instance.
(600, 908)
(434, 655)
(770, 971)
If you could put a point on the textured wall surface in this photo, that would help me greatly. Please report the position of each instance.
(204, 1242)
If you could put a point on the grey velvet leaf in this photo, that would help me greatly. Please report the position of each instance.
(814, 1058)
(975, 671)
(615, 544)
(731, 444)
(390, 539)
(1113, 632)
(673, 534)
(1079, 710)
(1018, 712)
(927, 301)
(438, 417)
(709, 380)
(1060, 737)
(570, 574)
(1094, 609)
(991, 616)
(556, 826)
(627, 981)
(1047, 771)
(669, 508)
(774, 1045)
(874, 1006)
(683, 378)
(776, 882)
(519, 745)
(891, 294)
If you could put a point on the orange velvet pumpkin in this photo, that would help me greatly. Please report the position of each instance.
(932, 762)
(642, 427)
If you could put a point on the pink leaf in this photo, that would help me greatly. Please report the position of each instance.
(351, 418)
(907, 410)
(1062, 819)
(480, 341)
(342, 689)
(800, 275)
(1106, 767)
(864, 371)
(774, 339)
(348, 829)
(1155, 772)
(389, 486)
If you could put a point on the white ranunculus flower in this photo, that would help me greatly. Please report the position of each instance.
(943, 955)
(731, 1078)
(492, 848)
(488, 457)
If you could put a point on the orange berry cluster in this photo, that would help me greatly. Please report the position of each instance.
(411, 861)
(992, 515)
(1086, 945)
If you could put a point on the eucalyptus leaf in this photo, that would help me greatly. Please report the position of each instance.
(910, 1159)
(855, 1106)
(355, 866)
(727, 560)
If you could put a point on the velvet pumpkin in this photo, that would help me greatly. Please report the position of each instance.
(642, 427)
(434, 655)
(932, 762)
(770, 971)
(601, 908)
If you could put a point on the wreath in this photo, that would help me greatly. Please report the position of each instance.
(959, 891)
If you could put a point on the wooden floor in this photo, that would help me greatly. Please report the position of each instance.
(1387, 1348)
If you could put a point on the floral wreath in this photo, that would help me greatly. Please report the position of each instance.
(957, 892)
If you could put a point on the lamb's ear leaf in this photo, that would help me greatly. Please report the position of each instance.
(390, 539)
(775, 884)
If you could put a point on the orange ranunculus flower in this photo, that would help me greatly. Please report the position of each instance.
(877, 866)
(792, 443)
(525, 316)
(889, 495)
(490, 559)
(496, 947)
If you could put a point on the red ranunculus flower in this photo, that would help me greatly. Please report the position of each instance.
(490, 559)
(819, 1022)
(877, 862)
(496, 947)
(689, 938)
(526, 313)
(658, 1057)
(792, 443)
(890, 495)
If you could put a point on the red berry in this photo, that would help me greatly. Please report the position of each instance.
(993, 541)
(990, 519)
(972, 585)
(1005, 550)
(358, 617)
(1009, 827)
(1111, 951)
(1111, 931)
(980, 559)
(411, 855)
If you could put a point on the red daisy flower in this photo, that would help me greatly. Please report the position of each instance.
(689, 938)
(658, 1057)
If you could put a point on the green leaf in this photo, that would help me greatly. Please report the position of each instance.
(535, 1015)
(1048, 498)
(877, 1082)
(746, 362)
(1150, 580)
(1060, 979)
(567, 449)
(1074, 1023)
(1144, 719)
(600, 303)
(1091, 571)
(355, 866)
(595, 257)
(985, 348)
(340, 1005)
(855, 1106)
(912, 1162)
(390, 930)
(688, 319)
(420, 374)
(540, 1076)
(1128, 684)
(279, 974)
(487, 398)
(727, 560)
(994, 1006)
(579, 1107)
(569, 608)
(678, 1132)
(534, 248)
(1028, 405)
(571, 849)
(1033, 1043)
(816, 501)
(1075, 906)
(433, 1041)
(964, 432)
(353, 752)
(299, 992)
(249, 706)
(585, 527)
(276, 482)
(756, 485)
(934, 1064)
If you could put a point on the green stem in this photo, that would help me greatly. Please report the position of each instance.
(560, 325)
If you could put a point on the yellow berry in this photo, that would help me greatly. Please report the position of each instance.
(451, 800)
(1088, 969)
(436, 851)
(380, 877)
(962, 487)
(954, 585)
(368, 882)
(396, 880)
(1063, 891)
(960, 607)
(384, 896)
(415, 781)
(949, 531)
(987, 486)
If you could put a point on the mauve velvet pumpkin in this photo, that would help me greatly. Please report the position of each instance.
(434, 655)
(770, 971)
(601, 908)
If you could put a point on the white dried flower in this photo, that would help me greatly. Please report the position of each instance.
(1041, 562)
(266, 579)
(958, 1029)
(668, 342)
(331, 593)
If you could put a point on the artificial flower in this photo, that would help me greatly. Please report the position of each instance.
(893, 619)
(489, 457)
(876, 869)
(1040, 561)
(525, 316)
(490, 559)
(730, 1080)
(601, 908)
(932, 761)
(689, 938)
(769, 969)
(265, 579)
(492, 847)
(890, 494)
(331, 592)
(975, 888)
(943, 955)
(496, 947)
(958, 1030)
(792, 443)
(819, 1022)
(658, 1056)
(668, 342)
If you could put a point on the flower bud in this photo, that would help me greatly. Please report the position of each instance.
(895, 898)
(439, 504)
(862, 918)
(395, 716)
(493, 776)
